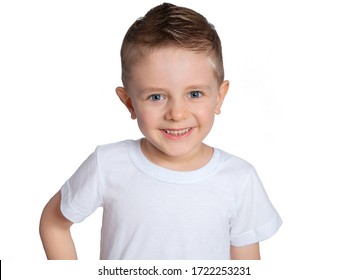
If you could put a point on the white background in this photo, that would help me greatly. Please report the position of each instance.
(285, 113)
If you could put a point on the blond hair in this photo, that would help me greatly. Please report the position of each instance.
(167, 25)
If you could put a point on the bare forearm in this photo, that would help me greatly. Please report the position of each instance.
(249, 252)
(57, 243)
(55, 232)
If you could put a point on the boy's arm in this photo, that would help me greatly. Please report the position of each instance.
(55, 232)
(249, 252)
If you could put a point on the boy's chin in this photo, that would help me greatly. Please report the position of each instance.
(174, 149)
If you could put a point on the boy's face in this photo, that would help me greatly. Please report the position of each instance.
(174, 95)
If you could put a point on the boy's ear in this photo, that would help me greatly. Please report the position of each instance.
(223, 90)
(125, 98)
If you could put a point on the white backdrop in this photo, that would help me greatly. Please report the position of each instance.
(285, 113)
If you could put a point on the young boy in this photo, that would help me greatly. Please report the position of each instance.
(168, 195)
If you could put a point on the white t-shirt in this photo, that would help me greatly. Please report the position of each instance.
(150, 212)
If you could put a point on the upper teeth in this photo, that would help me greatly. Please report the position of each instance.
(177, 132)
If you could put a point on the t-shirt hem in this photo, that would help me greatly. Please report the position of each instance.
(259, 234)
(65, 207)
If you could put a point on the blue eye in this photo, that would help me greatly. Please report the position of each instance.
(195, 94)
(156, 97)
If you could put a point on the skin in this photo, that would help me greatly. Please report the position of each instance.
(174, 89)
(174, 96)
(55, 232)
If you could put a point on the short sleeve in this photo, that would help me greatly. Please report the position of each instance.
(81, 194)
(256, 218)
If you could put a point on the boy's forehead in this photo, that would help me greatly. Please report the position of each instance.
(173, 67)
(159, 58)
(177, 51)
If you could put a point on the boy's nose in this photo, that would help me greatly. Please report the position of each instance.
(176, 111)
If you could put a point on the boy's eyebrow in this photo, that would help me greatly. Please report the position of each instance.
(195, 87)
(192, 87)
(151, 90)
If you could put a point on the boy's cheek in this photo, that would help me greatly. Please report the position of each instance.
(146, 118)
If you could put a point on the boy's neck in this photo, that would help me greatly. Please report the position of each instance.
(195, 160)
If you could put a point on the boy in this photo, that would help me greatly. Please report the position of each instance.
(168, 195)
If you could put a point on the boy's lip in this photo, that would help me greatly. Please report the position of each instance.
(177, 133)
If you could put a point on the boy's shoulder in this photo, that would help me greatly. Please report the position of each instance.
(230, 161)
(116, 149)
(114, 146)
(233, 160)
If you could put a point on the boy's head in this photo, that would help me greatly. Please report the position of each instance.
(173, 84)
(168, 25)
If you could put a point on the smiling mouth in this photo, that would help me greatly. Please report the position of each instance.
(177, 132)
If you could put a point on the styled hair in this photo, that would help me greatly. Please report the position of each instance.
(167, 25)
